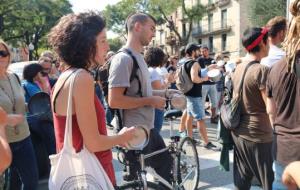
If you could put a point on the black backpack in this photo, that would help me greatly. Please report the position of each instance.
(102, 75)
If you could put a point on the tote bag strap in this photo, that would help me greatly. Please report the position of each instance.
(243, 77)
(68, 140)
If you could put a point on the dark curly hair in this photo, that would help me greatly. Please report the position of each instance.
(31, 70)
(154, 57)
(250, 35)
(74, 38)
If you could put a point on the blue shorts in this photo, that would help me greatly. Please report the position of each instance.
(194, 107)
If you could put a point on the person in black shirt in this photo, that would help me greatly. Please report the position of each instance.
(208, 88)
(195, 108)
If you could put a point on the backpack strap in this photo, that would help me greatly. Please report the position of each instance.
(18, 79)
(185, 66)
(134, 70)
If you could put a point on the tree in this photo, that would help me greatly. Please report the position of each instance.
(116, 14)
(28, 21)
(115, 44)
(260, 12)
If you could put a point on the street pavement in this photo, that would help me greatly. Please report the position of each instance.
(211, 177)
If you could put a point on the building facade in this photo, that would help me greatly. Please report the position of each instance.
(221, 29)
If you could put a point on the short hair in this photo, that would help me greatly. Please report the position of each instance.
(204, 47)
(31, 70)
(44, 59)
(250, 35)
(48, 53)
(137, 17)
(190, 48)
(155, 57)
(219, 56)
(7, 49)
(74, 38)
(276, 24)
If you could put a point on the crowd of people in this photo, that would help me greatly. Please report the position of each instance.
(137, 83)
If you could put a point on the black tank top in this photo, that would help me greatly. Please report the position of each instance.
(196, 91)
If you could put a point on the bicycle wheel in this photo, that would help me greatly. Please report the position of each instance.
(137, 185)
(188, 165)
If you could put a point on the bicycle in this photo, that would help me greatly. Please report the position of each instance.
(185, 171)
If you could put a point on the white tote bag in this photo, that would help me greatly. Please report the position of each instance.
(71, 170)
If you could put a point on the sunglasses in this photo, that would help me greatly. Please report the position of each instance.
(44, 73)
(3, 53)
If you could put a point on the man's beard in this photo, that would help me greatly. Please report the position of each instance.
(145, 42)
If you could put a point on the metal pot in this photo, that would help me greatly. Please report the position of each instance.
(214, 75)
(140, 140)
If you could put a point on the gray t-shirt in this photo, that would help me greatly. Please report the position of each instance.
(119, 76)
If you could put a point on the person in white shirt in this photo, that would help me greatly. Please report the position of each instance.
(277, 30)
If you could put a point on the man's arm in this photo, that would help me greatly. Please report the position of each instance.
(195, 74)
(117, 99)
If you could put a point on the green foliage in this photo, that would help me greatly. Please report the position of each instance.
(262, 11)
(25, 21)
(160, 9)
(116, 15)
(115, 44)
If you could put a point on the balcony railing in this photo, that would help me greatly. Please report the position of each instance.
(214, 29)
(210, 6)
(222, 3)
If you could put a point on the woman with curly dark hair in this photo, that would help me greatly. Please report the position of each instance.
(80, 42)
(155, 58)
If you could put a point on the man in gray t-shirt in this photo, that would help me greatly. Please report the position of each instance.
(138, 109)
(119, 77)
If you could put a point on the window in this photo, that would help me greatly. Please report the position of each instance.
(224, 40)
(210, 22)
(211, 43)
(224, 18)
(200, 41)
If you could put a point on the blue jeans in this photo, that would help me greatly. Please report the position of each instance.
(278, 171)
(211, 91)
(159, 119)
(24, 166)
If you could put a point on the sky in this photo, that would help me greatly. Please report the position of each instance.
(83, 5)
(99, 5)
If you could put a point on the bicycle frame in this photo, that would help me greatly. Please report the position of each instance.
(144, 170)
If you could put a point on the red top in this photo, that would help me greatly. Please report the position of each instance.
(105, 157)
